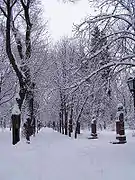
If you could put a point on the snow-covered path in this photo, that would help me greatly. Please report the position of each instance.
(52, 156)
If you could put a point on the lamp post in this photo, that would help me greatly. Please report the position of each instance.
(131, 85)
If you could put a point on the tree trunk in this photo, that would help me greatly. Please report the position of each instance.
(70, 127)
(21, 79)
(71, 119)
(60, 122)
(66, 122)
(78, 127)
(76, 132)
(11, 57)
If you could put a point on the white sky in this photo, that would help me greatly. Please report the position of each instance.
(61, 16)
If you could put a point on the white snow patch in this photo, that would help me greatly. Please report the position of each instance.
(120, 105)
(16, 110)
(17, 96)
(53, 156)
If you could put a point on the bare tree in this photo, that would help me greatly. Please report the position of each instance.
(18, 16)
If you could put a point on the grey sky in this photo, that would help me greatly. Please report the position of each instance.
(62, 16)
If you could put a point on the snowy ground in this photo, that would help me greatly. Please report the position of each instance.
(52, 156)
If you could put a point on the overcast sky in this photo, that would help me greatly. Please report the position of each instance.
(61, 16)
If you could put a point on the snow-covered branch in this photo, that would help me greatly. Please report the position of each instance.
(77, 84)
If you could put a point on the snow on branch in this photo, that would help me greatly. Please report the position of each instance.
(16, 110)
(102, 17)
(111, 64)
(85, 101)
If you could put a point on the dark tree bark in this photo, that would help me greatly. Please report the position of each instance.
(71, 119)
(60, 122)
(78, 127)
(70, 127)
(11, 57)
(62, 112)
(26, 8)
(30, 84)
(66, 122)
(76, 132)
(25, 83)
(22, 91)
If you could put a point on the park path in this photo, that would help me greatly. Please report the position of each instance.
(52, 156)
